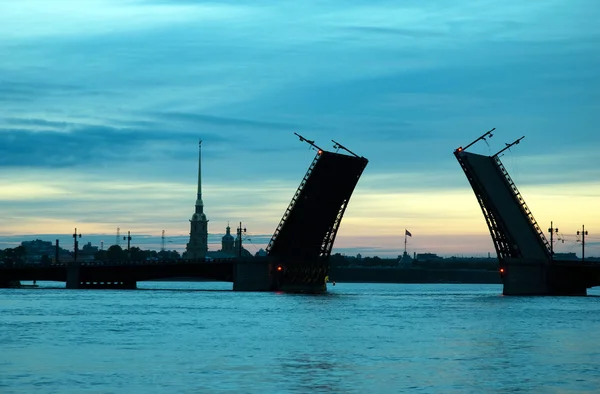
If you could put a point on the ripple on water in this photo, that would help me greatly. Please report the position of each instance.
(196, 337)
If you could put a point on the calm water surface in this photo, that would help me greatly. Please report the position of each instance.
(359, 338)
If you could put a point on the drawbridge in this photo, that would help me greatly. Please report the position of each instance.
(303, 239)
(525, 255)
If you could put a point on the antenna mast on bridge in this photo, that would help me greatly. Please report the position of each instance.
(310, 142)
(508, 146)
(583, 233)
(337, 145)
(483, 136)
(162, 242)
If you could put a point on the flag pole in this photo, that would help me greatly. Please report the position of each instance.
(405, 241)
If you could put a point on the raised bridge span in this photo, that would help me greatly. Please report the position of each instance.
(526, 262)
(300, 247)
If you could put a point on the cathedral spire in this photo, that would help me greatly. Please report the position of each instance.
(199, 203)
(198, 245)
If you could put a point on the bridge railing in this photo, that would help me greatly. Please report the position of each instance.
(524, 208)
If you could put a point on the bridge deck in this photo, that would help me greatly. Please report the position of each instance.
(513, 229)
(310, 224)
(524, 254)
(127, 272)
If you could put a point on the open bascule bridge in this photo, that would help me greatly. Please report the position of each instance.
(297, 255)
(526, 258)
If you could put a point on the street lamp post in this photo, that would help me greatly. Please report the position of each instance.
(56, 252)
(583, 233)
(552, 231)
(75, 244)
(128, 238)
(240, 230)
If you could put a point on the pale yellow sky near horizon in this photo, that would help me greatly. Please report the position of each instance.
(443, 221)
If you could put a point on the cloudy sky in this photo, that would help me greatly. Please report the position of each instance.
(102, 103)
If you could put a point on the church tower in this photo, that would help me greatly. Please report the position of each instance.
(198, 245)
(227, 241)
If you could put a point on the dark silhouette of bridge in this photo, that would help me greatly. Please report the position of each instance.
(297, 255)
(121, 275)
(527, 264)
(300, 247)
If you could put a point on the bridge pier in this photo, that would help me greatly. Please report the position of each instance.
(75, 281)
(524, 278)
(304, 277)
(252, 276)
(297, 277)
(534, 277)
(9, 284)
(73, 276)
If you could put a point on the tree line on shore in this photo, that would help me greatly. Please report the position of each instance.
(115, 253)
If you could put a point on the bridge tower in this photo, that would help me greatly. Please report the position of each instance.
(524, 253)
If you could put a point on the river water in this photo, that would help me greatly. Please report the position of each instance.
(189, 337)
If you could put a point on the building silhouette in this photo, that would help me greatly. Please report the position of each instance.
(227, 242)
(197, 247)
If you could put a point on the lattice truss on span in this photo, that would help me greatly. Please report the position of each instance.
(514, 230)
(309, 225)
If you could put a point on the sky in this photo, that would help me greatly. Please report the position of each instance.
(102, 104)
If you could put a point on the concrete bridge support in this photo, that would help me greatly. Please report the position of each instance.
(8, 284)
(522, 278)
(533, 277)
(73, 281)
(253, 276)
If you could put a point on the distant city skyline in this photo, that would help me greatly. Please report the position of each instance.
(367, 247)
(102, 106)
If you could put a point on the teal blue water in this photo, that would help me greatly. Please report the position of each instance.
(359, 338)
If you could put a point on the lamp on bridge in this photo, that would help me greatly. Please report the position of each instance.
(128, 238)
(75, 244)
(583, 233)
(552, 231)
(240, 230)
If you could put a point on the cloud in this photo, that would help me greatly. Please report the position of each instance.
(37, 123)
(80, 146)
(29, 19)
(32, 91)
(199, 119)
(475, 22)
(102, 107)
(394, 31)
(48, 143)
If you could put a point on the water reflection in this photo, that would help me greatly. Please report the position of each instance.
(311, 372)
